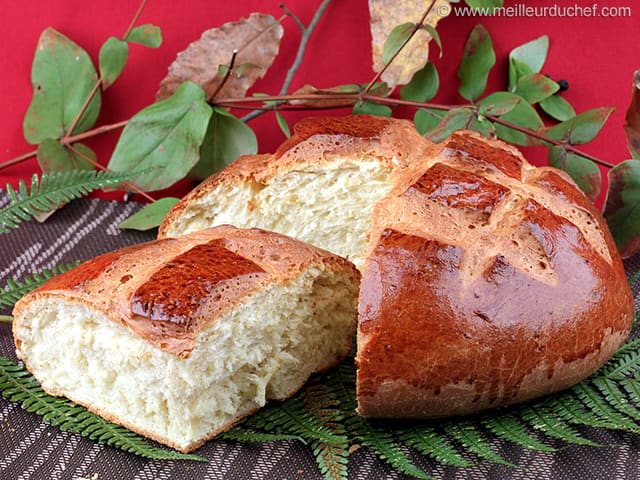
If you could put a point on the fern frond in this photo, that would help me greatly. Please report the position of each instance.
(572, 410)
(625, 362)
(632, 387)
(552, 425)
(428, 441)
(375, 437)
(18, 385)
(53, 189)
(16, 289)
(331, 458)
(470, 437)
(507, 427)
(599, 406)
(615, 397)
(292, 417)
(251, 436)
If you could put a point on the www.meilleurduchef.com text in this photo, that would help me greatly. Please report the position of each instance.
(552, 10)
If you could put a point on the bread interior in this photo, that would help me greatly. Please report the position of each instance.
(329, 206)
(264, 349)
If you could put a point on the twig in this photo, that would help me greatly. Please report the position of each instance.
(304, 40)
(95, 88)
(127, 184)
(227, 74)
(134, 20)
(417, 27)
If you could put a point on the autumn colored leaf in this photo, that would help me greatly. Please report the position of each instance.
(379, 89)
(257, 40)
(387, 15)
(622, 207)
(632, 127)
(583, 171)
(582, 128)
(53, 156)
(455, 119)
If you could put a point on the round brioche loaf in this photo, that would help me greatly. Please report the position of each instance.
(179, 339)
(486, 281)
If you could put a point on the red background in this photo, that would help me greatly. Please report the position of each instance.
(596, 55)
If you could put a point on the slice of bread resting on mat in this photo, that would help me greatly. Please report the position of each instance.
(486, 280)
(179, 339)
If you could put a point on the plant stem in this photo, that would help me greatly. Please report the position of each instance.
(134, 20)
(417, 27)
(227, 74)
(304, 40)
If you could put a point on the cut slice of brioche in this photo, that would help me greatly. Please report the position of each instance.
(486, 281)
(179, 339)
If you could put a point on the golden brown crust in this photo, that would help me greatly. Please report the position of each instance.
(169, 290)
(476, 295)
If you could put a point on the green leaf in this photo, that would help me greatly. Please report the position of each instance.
(226, 139)
(16, 289)
(477, 60)
(150, 216)
(583, 171)
(454, 119)
(498, 103)
(371, 109)
(484, 3)
(482, 126)
(284, 126)
(62, 76)
(435, 35)
(616, 397)
(17, 385)
(598, 405)
(112, 60)
(551, 424)
(427, 119)
(423, 86)
(55, 157)
(148, 35)
(523, 115)
(508, 427)
(396, 40)
(625, 362)
(535, 87)
(527, 58)
(165, 136)
(429, 442)
(252, 436)
(558, 108)
(468, 434)
(622, 207)
(582, 128)
(50, 190)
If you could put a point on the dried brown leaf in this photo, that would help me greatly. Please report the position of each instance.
(387, 14)
(257, 40)
(632, 127)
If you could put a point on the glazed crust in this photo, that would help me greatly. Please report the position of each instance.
(487, 282)
(169, 290)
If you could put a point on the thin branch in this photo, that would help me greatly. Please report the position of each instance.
(304, 40)
(134, 20)
(417, 27)
(227, 74)
(295, 18)
(98, 83)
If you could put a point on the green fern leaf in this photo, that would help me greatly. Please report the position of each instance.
(17, 385)
(16, 289)
(508, 427)
(428, 441)
(53, 189)
(331, 458)
(251, 436)
(552, 425)
(375, 437)
(292, 417)
(599, 406)
(570, 409)
(625, 362)
(632, 387)
(615, 397)
(469, 436)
